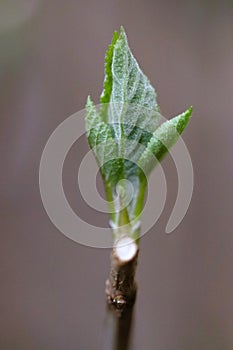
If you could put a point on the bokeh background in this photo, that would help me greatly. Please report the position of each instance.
(52, 289)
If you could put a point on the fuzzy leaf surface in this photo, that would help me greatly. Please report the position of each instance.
(124, 134)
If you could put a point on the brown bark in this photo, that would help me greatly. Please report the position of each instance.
(121, 292)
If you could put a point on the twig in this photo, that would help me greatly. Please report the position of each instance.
(121, 293)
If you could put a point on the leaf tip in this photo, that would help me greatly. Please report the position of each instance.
(89, 102)
(122, 30)
(115, 36)
(123, 35)
(183, 119)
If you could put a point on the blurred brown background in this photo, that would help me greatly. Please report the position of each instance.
(52, 289)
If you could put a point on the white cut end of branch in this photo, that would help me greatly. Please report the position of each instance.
(126, 249)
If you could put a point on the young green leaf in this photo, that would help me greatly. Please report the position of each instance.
(133, 104)
(124, 135)
(92, 117)
(106, 94)
(162, 140)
